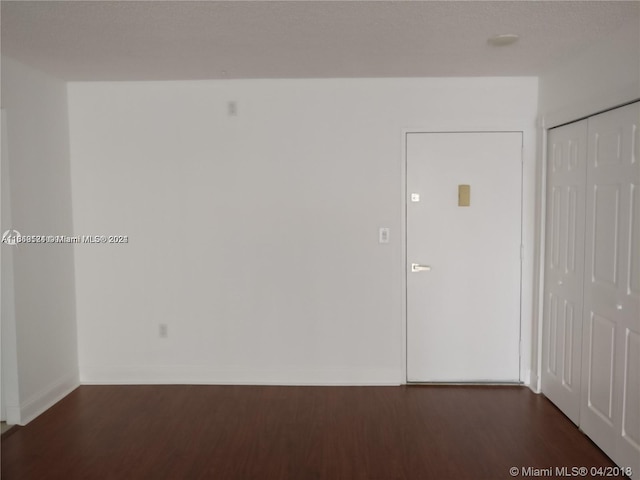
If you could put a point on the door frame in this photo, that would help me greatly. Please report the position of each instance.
(528, 235)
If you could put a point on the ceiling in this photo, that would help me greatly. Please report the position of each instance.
(179, 40)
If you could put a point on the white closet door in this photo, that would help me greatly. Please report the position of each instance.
(564, 267)
(610, 410)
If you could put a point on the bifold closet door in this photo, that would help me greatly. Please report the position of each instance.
(610, 409)
(564, 267)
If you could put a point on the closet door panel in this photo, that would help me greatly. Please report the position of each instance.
(610, 406)
(631, 393)
(628, 440)
(564, 267)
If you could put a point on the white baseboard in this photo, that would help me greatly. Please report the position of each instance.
(535, 384)
(195, 375)
(44, 399)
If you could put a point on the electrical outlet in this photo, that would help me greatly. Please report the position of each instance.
(163, 330)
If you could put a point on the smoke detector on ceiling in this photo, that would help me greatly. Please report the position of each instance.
(503, 39)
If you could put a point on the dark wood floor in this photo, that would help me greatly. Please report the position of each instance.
(301, 433)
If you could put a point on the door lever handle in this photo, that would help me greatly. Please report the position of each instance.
(416, 267)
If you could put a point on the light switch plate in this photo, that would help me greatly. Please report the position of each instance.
(383, 235)
(415, 197)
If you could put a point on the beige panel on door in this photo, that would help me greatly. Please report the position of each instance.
(611, 348)
(564, 267)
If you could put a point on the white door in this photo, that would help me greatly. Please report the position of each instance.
(463, 315)
(564, 267)
(610, 410)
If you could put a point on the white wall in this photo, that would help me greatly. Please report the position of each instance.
(254, 237)
(36, 191)
(602, 76)
(10, 408)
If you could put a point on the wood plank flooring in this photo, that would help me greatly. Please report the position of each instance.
(298, 433)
